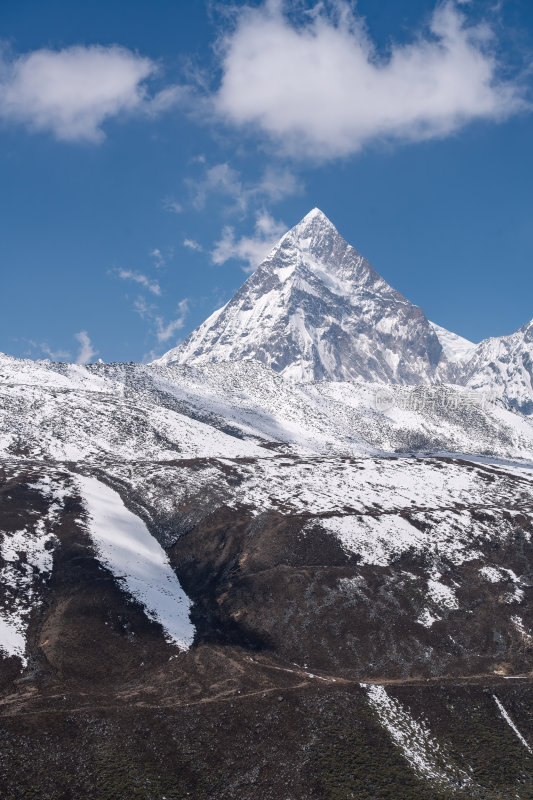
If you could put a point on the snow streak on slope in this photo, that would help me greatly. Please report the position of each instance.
(511, 724)
(137, 560)
(420, 749)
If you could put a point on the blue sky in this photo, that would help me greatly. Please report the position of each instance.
(151, 153)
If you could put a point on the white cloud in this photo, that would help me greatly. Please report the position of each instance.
(166, 330)
(221, 179)
(319, 87)
(86, 352)
(72, 92)
(143, 280)
(249, 249)
(192, 245)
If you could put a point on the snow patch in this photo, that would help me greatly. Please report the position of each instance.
(28, 559)
(137, 560)
(427, 619)
(491, 574)
(442, 595)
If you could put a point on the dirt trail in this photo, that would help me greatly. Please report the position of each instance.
(21, 704)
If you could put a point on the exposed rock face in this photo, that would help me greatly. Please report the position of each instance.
(315, 309)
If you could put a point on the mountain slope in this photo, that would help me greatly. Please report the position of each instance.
(456, 348)
(316, 309)
(369, 611)
(503, 366)
(131, 412)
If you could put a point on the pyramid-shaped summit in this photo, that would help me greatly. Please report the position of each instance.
(316, 309)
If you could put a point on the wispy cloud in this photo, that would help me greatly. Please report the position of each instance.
(148, 283)
(172, 205)
(165, 330)
(144, 309)
(158, 258)
(246, 198)
(86, 350)
(274, 184)
(250, 250)
(51, 353)
(166, 99)
(317, 85)
(55, 355)
(220, 179)
(192, 245)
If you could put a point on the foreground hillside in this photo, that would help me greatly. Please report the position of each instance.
(330, 658)
(220, 726)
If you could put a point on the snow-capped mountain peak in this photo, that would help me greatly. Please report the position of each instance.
(316, 309)
(314, 220)
(316, 245)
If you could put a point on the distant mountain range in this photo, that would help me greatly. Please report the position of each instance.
(315, 310)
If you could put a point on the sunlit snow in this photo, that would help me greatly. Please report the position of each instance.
(137, 560)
